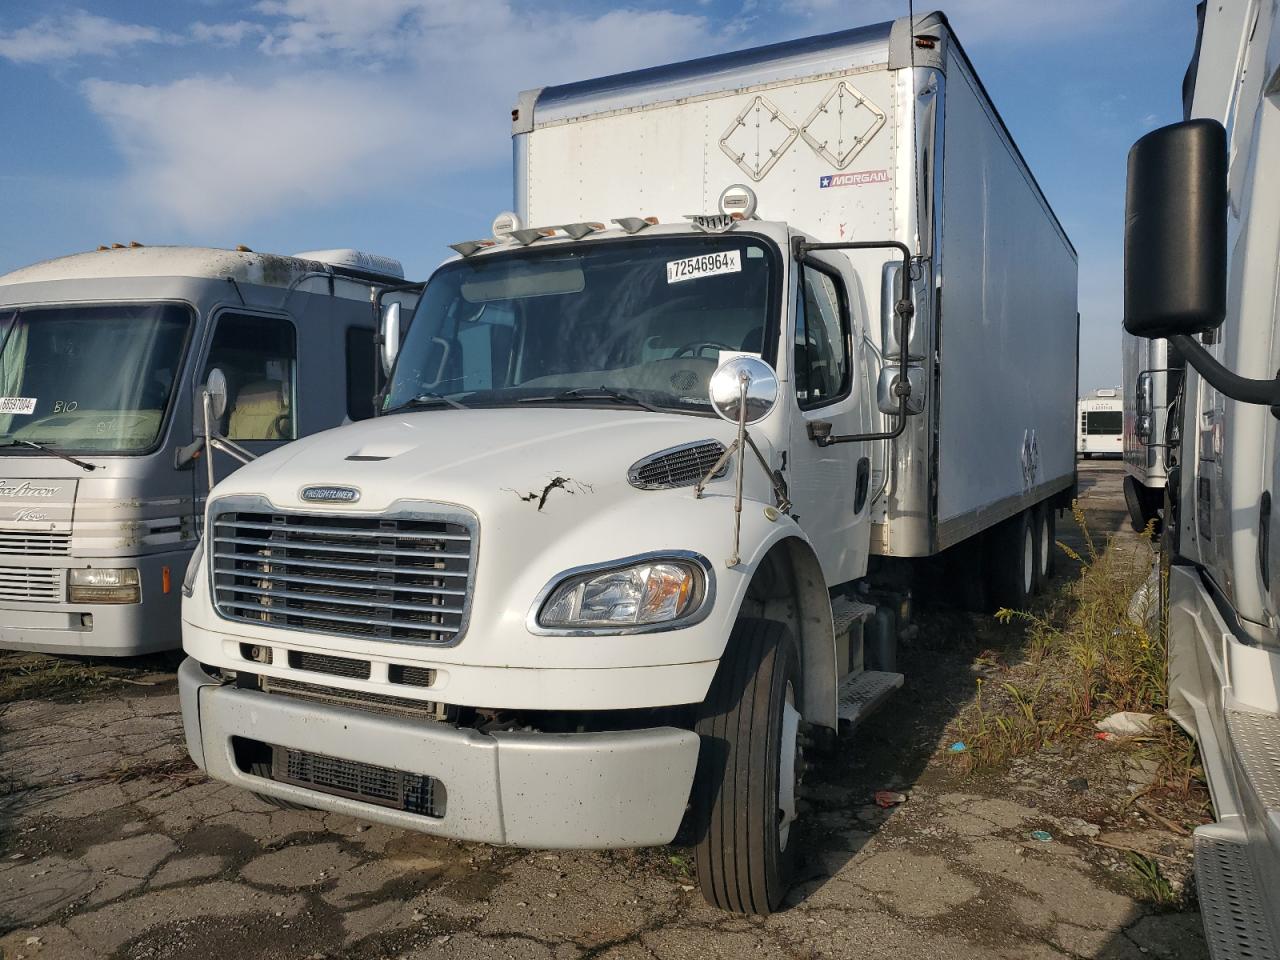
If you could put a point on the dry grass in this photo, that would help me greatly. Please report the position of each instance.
(1095, 649)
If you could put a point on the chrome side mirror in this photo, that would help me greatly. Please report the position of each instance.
(890, 324)
(887, 396)
(216, 387)
(390, 335)
(1143, 399)
(743, 377)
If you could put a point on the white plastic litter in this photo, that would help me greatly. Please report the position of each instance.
(1126, 723)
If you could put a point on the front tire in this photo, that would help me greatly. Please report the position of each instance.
(744, 794)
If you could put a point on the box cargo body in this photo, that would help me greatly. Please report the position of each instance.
(997, 326)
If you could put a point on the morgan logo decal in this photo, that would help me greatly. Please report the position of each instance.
(27, 490)
(856, 179)
(330, 494)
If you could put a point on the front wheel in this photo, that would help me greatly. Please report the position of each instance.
(744, 795)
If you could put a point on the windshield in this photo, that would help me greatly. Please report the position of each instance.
(649, 318)
(89, 378)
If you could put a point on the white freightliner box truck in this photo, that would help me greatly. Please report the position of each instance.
(102, 358)
(1201, 255)
(548, 597)
(1152, 376)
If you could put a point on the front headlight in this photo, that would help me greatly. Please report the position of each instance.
(662, 590)
(103, 585)
(193, 569)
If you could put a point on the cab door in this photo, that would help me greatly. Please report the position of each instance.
(830, 486)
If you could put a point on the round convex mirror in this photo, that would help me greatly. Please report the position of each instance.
(216, 386)
(726, 388)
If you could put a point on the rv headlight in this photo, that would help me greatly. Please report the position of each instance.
(103, 585)
(644, 593)
(193, 569)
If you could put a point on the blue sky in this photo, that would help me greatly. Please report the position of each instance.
(384, 124)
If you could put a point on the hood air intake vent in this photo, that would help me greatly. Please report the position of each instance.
(681, 466)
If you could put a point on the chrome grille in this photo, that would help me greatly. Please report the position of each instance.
(39, 584)
(681, 466)
(412, 792)
(392, 577)
(33, 543)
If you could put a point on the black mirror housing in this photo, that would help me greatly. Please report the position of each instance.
(1175, 234)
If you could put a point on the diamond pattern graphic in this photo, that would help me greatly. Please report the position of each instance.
(758, 137)
(842, 124)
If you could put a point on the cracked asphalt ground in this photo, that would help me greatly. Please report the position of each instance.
(113, 846)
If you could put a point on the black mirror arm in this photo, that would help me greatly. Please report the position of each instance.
(905, 310)
(1229, 384)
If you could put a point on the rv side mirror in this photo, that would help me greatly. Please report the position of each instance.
(390, 335)
(1175, 236)
(215, 386)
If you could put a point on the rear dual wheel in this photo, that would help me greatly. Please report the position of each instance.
(744, 794)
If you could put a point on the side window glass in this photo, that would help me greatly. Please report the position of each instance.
(259, 355)
(822, 361)
(360, 361)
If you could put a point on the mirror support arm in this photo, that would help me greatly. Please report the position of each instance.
(1241, 389)
(905, 310)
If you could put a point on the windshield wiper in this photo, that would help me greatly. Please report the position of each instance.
(594, 393)
(52, 452)
(429, 400)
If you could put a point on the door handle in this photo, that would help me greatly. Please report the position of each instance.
(862, 484)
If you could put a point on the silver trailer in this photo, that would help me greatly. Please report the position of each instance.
(1201, 255)
(1152, 379)
(102, 468)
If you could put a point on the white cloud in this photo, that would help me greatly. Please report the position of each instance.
(213, 152)
(72, 35)
(226, 34)
(1012, 21)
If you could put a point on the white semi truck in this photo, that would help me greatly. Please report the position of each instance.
(102, 440)
(1201, 255)
(548, 597)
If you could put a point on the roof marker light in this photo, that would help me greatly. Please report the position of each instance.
(636, 224)
(580, 230)
(529, 234)
(467, 247)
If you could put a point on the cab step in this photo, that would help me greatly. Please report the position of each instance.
(1233, 911)
(845, 613)
(1255, 737)
(861, 693)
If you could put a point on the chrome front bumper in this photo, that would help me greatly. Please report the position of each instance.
(546, 790)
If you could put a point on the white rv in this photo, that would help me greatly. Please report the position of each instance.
(639, 518)
(1100, 424)
(103, 472)
(1201, 255)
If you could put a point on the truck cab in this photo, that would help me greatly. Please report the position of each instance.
(102, 470)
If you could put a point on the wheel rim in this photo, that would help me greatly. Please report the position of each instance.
(1028, 561)
(1045, 545)
(788, 755)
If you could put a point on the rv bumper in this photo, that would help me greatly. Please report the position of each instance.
(101, 629)
(549, 790)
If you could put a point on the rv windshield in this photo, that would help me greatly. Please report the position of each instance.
(643, 321)
(88, 378)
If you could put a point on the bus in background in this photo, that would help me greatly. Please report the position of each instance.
(1100, 424)
(103, 466)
